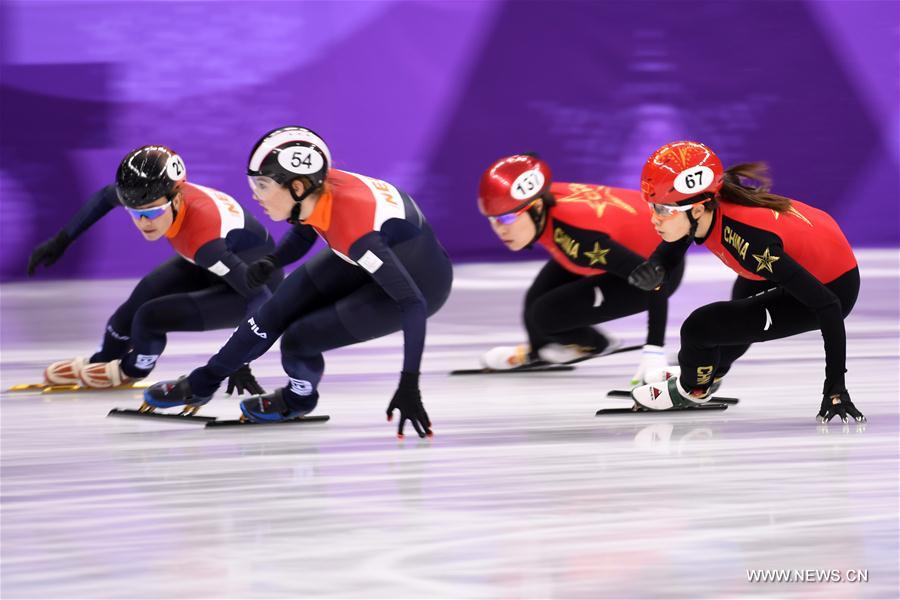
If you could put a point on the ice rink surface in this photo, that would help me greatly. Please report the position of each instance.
(522, 492)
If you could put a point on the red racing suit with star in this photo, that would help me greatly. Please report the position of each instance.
(594, 229)
(801, 250)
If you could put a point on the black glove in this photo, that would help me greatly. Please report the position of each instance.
(49, 252)
(259, 272)
(242, 381)
(647, 276)
(408, 400)
(839, 405)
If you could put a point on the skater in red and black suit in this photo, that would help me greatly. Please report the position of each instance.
(596, 236)
(384, 271)
(796, 272)
(201, 289)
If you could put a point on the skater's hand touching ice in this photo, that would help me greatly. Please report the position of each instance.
(408, 400)
(839, 405)
(242, 381)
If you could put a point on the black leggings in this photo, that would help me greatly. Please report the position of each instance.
(327, 303)
(716, 335)
(561, 306)
(176, 296)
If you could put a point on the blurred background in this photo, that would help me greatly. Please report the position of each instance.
(426, 94)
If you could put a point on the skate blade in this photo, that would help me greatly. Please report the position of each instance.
(140, 414)
(244, 421)
(25, 387)
(634, 410)
(536, 368)
(60, 388)
(627, 394)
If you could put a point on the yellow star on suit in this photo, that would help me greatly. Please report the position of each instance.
(765, 261)
(597, 255)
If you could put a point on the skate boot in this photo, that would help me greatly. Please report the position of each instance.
(561, 354)
(653, 362)
(661, 374)
(169, 394)
(503, 358)
(105, 375)
(667, 395)
(65, 372)
(274, 407)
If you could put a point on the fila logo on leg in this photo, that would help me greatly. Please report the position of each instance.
(255, 329)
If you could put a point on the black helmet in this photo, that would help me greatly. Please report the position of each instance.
(148, 173)
(286, 153)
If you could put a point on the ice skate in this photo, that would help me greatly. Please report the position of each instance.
(274, 408)
(65, 372)
(169, 394)
(105, 375)
(653, 365)
(566, 354)
(504, 358)
(661, 374)
(667, 395)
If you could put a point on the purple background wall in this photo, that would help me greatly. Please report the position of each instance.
(426, 94)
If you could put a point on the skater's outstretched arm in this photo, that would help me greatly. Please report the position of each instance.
(373, 254)
(92, 211)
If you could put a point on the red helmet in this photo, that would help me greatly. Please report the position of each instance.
(511, 183)
(678, 172)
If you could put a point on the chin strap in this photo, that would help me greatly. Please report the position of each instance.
(294, 217)
(539, 217)
(711, 204)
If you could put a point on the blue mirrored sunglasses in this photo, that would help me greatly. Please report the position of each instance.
(150, 213)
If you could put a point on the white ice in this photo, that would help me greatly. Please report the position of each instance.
(522, 492)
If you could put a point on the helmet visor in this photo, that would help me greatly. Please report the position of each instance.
(510, 217)
(263, 186)
(666, 211)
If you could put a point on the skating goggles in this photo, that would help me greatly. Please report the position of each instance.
(510, 218)
(150, 213)
(262, 186)
(667, 211)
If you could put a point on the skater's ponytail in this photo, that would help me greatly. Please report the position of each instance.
(738, 188)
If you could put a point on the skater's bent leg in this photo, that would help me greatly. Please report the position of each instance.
(217, 307)
(550, 277)
(658, 307)
(566, 313)
(256, 334)
(173, 276)
(714, 336)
